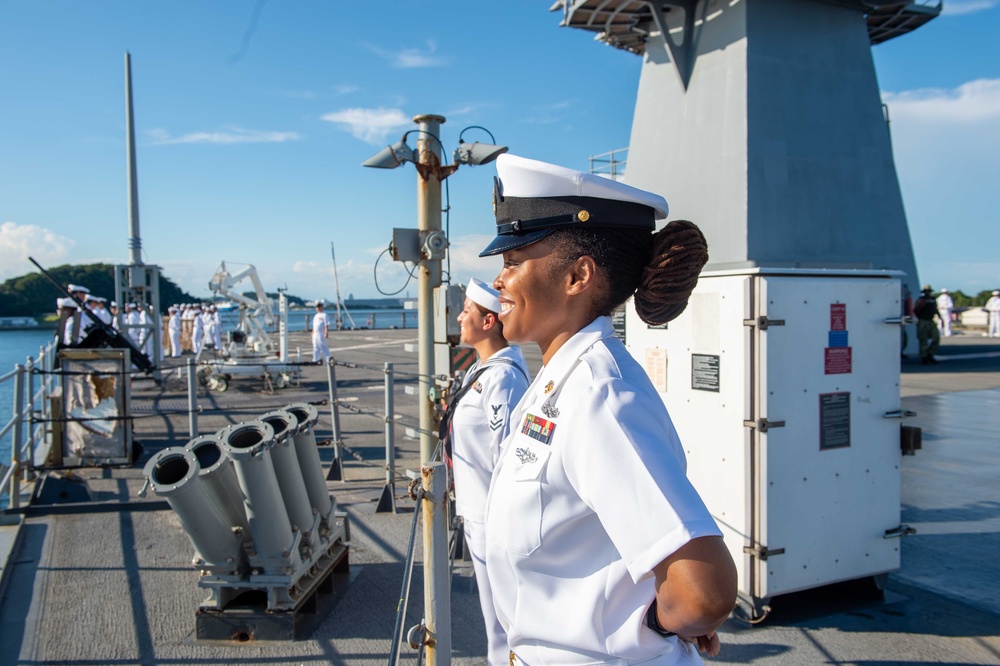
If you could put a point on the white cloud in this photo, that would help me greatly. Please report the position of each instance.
(345, 89)
(19, 241)
(960, 7)
(466, 262)
(410, 58)
(370, 125)
(232, 136)
(970, 102)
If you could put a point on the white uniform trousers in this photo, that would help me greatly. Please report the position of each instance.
(175, 342)
(944, 324)
(321, 350)
(498, 654)
(994, 331)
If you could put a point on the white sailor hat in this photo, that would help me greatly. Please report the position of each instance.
(995, 292)
(532, 199)
(321, 301)
(172, 309)
(113, 304)
(944, 291)
(130, 306)
(481, 294)
(76, 287)
(66, 303)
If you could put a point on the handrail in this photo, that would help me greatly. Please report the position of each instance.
(27, 402)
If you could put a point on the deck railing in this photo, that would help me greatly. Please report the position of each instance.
(29, 419)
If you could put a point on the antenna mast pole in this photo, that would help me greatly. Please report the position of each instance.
(336, 284)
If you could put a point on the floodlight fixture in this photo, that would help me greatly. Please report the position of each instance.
(477, 153)
(392, 156)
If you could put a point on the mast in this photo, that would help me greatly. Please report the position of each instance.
(134, 238)
(336, 284)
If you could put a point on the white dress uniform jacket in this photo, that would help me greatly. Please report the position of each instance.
(480, 423)
(589, 495)
(197, 332)
(321, 350)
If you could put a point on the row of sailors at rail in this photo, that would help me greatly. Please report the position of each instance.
(190, 328)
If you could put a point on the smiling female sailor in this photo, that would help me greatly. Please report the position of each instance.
(599, 550)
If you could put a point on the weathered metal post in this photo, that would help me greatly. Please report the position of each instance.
(387, 502)
(192, 399)
(15, 438)
(30, 376)
(336, 472)
(437, 597)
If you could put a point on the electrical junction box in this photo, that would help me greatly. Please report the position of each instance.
(783, 385)
(406, 245)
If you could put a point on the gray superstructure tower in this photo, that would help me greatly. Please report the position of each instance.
(761, 121)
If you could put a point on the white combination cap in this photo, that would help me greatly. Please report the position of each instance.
(482, 294)
(996, 293)
(944, 291)
(532, 199)
(76, 287)
(66, 303)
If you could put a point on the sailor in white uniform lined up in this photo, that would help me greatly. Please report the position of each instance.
(476, 422)
(174, 331)
(945, 305)
(320, 329)
(598, 548)
(197, 329)
(993, 312)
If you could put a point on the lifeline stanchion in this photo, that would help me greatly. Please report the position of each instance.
(336, 472)
(387, 502)
(192, 399)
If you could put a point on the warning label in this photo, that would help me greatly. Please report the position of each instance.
(838, 316)
(837, 361)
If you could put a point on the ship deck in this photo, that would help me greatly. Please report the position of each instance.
(113, 584)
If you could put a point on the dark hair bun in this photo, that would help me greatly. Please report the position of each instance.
(680, 251)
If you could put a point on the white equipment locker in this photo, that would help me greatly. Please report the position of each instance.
(784, 387)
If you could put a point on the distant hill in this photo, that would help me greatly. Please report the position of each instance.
(33, 295)
(293, 301)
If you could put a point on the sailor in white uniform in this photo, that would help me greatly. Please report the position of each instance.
(174, 331)
(132, 320)
(599, 550)
(216, 329)
(478, 416)
(197, 328)
(101, 310)
(993, 310)
(115, 323)
(945, 306)
(320, 329)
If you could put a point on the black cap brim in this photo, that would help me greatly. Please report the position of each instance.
(505, 242)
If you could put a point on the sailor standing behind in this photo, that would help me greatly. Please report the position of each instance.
(174, 332)
(69, 330)
(115, 323)
(475, 424)
(320, 329)
(945, 305)
(102, 311)
(197, 329)
(993, 308)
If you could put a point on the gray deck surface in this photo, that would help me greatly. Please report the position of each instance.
(117, 587)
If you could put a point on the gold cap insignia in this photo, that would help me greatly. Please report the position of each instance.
(583, 216)
(548, 387)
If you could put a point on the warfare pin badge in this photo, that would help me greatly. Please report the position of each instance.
(525, 455)
(551, 385)
(549, 410)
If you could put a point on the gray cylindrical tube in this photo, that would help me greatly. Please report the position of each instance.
(308, 456)
(219, 477)
(173, 475)
(287, 470)
(247, 444)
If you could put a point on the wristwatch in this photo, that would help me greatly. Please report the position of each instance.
(654, 623)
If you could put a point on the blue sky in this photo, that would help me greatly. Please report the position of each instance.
(253, 118)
